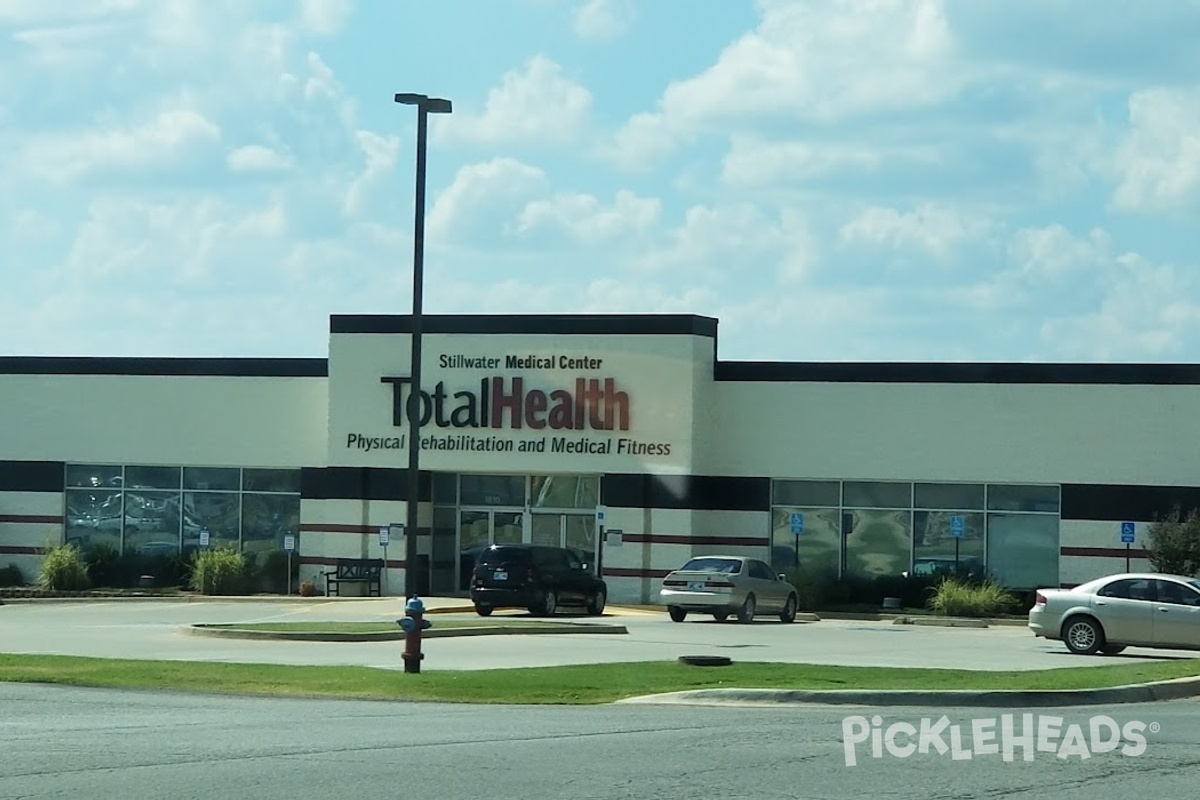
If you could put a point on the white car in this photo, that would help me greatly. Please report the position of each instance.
(724, 585)
(1118, 611)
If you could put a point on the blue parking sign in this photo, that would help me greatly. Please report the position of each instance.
(958, 526)
(797, 522)
(1128, 532)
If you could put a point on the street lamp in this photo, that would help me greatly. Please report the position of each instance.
(425, 106)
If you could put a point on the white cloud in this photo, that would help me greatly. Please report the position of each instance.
(585, 218)
(736, 242)
(1158, 163)
(257, 158)
(1053, 252)
(380, 153)
(603, 19)
(755, 161)
(482, 198)
(934, 229)
(533, 105)
(811, 61)
(325, 17)
(164, 140)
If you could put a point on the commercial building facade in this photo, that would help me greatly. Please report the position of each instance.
(624, 436)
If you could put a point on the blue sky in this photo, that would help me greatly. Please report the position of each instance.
(875, 180)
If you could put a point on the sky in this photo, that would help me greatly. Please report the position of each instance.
(837, 180)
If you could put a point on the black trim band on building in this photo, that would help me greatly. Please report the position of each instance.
(985, 373)
(360, 483)
(636, 324)
(1126, 503)
(692, 492)
(199, 367)
(32, 476)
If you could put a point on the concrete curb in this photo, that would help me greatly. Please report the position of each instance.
(881, 617)
(941, 622)
(398, 635)
(1177, 689)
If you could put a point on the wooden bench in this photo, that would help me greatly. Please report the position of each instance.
(355, 570)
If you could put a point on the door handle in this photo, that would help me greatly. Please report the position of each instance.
(1164, 610)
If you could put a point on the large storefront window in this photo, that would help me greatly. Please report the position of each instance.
(160, 510)
(876, 528)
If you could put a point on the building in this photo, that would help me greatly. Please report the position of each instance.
(621, 435)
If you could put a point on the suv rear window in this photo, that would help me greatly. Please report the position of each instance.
(503, 556)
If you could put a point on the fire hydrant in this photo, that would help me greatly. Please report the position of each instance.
(413, 623)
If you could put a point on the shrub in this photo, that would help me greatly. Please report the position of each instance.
(958, 598)
(11, 576)
(308, 589)
(1175, 543)
(103, 562)
(63, 569)
(218, 571)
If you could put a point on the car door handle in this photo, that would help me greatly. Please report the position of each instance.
(1164, 610)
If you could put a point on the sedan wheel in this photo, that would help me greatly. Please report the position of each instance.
(746, 612)
(1083, 636)
(721, 616)
(677, 614)
(1113, 649)
(789, 610)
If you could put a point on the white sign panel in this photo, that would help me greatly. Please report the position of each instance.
(512, 403)
(383, 537)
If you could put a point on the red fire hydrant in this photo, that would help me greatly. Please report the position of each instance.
(413, 623)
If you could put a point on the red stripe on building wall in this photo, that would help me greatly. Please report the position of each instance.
(628, 572)
(671, 538)
(1105, 552)
(32, 519)
(321, 527)
(12, 550)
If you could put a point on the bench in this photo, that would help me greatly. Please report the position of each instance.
(354, 570)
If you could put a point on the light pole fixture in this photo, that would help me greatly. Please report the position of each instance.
(425, 106)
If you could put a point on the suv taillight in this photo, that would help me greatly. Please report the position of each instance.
(529, 575)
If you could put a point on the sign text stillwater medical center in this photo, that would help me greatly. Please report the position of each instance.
(1005, 736)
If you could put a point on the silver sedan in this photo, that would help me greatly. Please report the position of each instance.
(1118, 611)
(724, 585)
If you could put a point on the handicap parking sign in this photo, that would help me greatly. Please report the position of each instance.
(1128, 531)
(958, 526)
(797, 522)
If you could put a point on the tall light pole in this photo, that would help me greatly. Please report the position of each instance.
(425, 106)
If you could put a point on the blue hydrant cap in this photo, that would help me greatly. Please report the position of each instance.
(415, 606)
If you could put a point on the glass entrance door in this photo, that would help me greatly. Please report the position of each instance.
(479, 529)
(577, 531)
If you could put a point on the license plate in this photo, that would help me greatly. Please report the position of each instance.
(500, 575)
(696, 586)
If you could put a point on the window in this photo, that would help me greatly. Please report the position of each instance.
(161, 510)
(761, 571)
(807, 493)
(878, 494)
(492, 490)
(1130, 589)
(816, 548)
(1177, 593)
(877, 542)
(1041, 499)
(949, 496)
(729, 566)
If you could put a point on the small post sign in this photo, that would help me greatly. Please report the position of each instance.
(205, 537)
(958, 527)
(385, 536)
(289, 545)
(796, 523)
(1128, 537)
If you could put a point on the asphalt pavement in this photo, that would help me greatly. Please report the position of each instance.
(158, 630)
(94, 743)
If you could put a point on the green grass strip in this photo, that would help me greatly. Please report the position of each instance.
(583, 684)
(371, 627)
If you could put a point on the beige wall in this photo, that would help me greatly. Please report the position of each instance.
(952, 432)
(135, 419)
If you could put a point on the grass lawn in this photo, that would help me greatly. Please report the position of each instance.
(594, 683)
(372, 627)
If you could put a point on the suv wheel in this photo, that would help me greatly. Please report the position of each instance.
(483, 610)
(596, 603)
(549, 604)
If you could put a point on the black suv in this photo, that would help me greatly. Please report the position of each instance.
(537, 577)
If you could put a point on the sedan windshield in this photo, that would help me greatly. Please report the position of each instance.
(730, 566)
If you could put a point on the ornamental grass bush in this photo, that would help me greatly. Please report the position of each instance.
(218, 571)
(63, 570)
(960, 598)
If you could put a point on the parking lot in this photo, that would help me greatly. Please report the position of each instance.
(157, 630)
